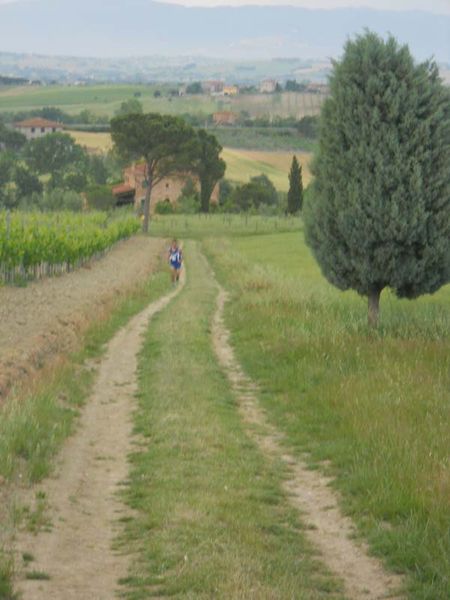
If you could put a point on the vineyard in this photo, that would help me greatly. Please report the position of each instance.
(35, 245)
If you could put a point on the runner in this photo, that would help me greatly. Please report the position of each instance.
(175, 260)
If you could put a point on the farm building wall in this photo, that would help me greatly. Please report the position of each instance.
(168, 189)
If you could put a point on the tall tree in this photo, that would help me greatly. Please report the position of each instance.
(208, 165)
(380, 212)
(130, 107)
(295, 194)
(26, 182)
(54, 153)
(162, 141)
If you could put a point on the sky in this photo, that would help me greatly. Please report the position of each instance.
(436, 6)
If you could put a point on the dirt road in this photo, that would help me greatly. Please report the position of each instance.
(45, 318)
(76, 554)
(309, 491)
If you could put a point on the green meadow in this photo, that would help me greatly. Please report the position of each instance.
(106, 99)
(370, 408)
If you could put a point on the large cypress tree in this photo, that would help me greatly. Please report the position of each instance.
(295, 194)
(379, 215)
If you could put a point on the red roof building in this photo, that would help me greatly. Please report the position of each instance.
(37, 127)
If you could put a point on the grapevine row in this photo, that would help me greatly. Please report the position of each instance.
(34, 245)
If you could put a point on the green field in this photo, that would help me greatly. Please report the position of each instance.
(368, 408)
(105, 100)
(244, 164)
(371, 409)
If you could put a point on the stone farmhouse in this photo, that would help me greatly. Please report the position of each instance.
(169, 189)
(36, 128)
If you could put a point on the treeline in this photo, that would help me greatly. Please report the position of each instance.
(52, 173)
(256, 197)
(53, 113)
(4, 80)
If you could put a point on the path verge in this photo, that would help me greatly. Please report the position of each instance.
(46, 318)
(308, 490)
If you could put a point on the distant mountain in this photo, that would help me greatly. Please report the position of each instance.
(143, 27)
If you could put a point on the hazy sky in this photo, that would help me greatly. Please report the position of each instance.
(437, 6)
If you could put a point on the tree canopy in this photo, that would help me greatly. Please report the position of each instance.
(379, 215)
(295, 193)
(258, 191)
(163, 141)
(53, 153)
(208, 165)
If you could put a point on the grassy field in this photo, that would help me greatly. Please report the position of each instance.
(210, 519)
(270, 139)
(244, 164)
(106, 99)
(372, 409)
(94, 142)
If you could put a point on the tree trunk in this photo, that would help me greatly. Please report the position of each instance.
(148, 193)
(205, 195)
(374, 306)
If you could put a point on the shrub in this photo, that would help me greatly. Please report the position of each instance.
(164, 208)
(100, 197)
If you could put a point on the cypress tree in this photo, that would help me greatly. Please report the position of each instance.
(295, 194)
(379, 215)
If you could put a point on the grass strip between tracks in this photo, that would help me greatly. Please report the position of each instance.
(209, 518)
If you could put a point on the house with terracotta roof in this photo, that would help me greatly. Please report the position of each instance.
(169, 189)
(36, 128)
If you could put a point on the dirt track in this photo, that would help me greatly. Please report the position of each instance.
(308, 490)
(45, 318)
(77, 553)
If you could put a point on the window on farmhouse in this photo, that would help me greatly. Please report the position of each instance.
(33, 130)
(42, 129)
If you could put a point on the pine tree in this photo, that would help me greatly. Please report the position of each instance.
(295, 194)
(379, 215)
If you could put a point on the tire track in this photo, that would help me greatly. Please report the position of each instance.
(309, 491)
(77, 553)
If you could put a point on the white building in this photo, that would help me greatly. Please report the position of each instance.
(268, 86)
(35, 128)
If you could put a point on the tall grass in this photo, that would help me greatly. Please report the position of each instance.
(374, 406)
(215, 225)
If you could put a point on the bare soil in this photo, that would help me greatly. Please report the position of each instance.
(309, 491)
(77, 553)
(44, 319)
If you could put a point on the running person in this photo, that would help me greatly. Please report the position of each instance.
(175, 257)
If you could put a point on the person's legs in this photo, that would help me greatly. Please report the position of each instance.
(173, 274)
